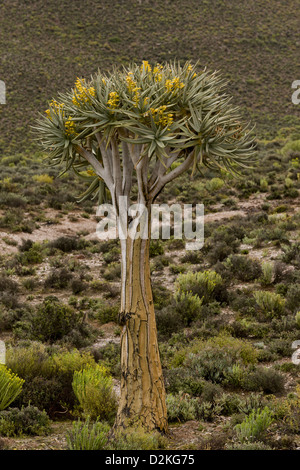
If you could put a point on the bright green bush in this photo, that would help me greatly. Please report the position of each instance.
(93, 388)
(48, 375)
(214, 184)
(267, 273)
(206, 284)
(10, 387)
(270, 304)
(87, 436)
(255, 425)
(188, 306)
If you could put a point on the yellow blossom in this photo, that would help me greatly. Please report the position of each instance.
(113, 101)
(131, 84)
(172, 85)
(160, 117)
(146, 66)
(82, 93)
(70, 127)
(157, 73)
(55, 106)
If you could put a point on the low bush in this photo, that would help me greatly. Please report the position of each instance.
(181, 407)
(255, 425)
(265, 379)
(270, 304)
(293, 298)
(137, 439)
(208, 285)
(188, 306)
(65, 244)
(54, 320)
(86, 435)
(58, 279)
(25, 421)
(243, 268)
(93, 388)
(48, 375)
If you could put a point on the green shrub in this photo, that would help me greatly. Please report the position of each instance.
(48, 375)
(137, 439)
(229, 404)
(265, 379)
(293, 298)
(10, 387)
(255, 425)
(65, 244)
(112, 272)
(208, 411)
(213, 359)
(53, 320)
(249, 446)
(208, 285)
(267, 274)
(214, 184)
(28, 361)
(188, 306)
(87, 436)
(243, 268)
(291, 253)
(168, 320)
(106, 312)
(58, 279)
(93, 388)
(270, 304)
(110, 356)
(181, 407)
(33, 255)
(297, 319)
(183, 380)
(78, 286)
(156, 248)
(24, 421)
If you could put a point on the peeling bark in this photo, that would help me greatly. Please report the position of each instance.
(142, 386)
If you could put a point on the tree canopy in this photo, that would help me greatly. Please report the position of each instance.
(163, 113)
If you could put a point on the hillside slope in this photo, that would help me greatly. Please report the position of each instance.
(46, 45)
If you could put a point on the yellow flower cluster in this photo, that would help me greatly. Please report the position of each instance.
(82, 93)
(175, 84)
(70, 127)
(146, 66)
(157, 73)
(160, 117)
(131, 84)
(114, 100)
(54, 105)
(132, 88)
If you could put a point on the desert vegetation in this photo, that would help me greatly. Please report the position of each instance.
(227, 315)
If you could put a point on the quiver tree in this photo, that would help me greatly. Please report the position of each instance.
(131, 133)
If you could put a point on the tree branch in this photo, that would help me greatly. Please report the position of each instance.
(166, 178)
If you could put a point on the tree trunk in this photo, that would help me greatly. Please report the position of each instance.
(142, 400)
